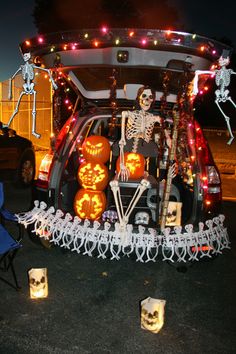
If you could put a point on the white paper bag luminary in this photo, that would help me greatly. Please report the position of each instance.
(152, 314)
(38, 283)
(173, 217)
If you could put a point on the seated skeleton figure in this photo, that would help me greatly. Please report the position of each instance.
(136, 137)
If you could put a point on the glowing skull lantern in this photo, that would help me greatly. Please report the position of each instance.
(93, 175)
(152, 314)
(134, 162)
(96, 148)
(89, 204)
(38, 283)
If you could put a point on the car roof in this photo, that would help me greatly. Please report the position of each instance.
(140, 56)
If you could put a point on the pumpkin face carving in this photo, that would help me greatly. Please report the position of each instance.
(134, 162)
(96, 148)
(89, 204)
(93, 175)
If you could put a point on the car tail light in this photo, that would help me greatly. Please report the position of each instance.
(213, 176)
(211, 186)
(44, 169)
(210, 178)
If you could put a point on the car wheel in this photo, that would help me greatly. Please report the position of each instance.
(26, 169)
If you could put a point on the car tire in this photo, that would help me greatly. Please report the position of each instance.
(26, 169)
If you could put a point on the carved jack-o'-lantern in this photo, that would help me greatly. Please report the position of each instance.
(89, 204)
(93, 175)
(96, 148)
(152, 314)
(134, 162)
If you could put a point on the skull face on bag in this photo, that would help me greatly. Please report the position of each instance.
(38, 282)
(152, 314)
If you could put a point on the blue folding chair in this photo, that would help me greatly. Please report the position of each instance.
(8, 244)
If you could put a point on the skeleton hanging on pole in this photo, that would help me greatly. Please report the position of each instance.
(28, 74)
(222, 80)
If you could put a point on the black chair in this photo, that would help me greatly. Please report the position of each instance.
(9, 246)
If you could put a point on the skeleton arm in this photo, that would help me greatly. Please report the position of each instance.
(10, 83)
(124, 172)
(195, 80)
(168, 138)
(50, 75)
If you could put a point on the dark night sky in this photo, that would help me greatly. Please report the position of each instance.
(204, 17)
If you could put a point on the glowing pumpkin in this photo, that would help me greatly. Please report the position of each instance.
(96, 148)
(89, 204)
(134, 162)
(93, 175)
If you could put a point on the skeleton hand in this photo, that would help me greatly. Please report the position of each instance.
(124, 173)
(54, 85)
(195, 83)
(174, 169)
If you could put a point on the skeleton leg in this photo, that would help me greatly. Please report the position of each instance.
(227, 119)
(233, 103)
(16, 109)
(34, 116)
(144, 184)
(116, 193)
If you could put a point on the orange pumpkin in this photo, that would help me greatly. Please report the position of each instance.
(89, 204)
(93, 175)
(134, 162)
(96, 148)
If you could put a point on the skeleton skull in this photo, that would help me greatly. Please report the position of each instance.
(146, 99)
(26, 56)
(223, 61)
(152, 314)
(38, 283)
(141, 218)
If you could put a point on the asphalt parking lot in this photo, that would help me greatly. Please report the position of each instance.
(94, 304)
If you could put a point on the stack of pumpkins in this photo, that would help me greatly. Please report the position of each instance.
(90, 200)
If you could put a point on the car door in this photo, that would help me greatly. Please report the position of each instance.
(9, 151)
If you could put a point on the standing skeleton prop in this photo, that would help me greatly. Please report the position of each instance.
(28, 88)
(139, 125)
(222, 80)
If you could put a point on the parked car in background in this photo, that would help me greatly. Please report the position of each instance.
(104, 70)
(17, 157)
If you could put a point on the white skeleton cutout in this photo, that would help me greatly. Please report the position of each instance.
(222, 80)
(135, 125)
(28, 74)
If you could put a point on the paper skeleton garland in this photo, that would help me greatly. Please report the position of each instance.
(222, 80)
(139, 125)
(27, 71)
